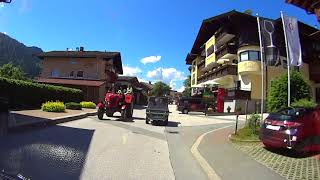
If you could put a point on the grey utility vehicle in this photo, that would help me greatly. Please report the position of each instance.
(157, 110)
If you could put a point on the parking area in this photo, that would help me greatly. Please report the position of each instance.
(287, 164)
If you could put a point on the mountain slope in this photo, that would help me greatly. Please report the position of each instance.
(13, 51)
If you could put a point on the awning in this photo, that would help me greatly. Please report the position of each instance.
(77, 82)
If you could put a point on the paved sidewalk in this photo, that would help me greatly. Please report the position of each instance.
(37, 117)
(228, 162)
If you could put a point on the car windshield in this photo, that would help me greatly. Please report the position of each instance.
(288, 114)
(158, 103)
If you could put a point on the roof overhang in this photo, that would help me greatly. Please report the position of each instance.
(311, 6)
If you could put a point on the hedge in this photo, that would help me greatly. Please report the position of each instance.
(22, 94)
(53, 107)
(73, 106)
(89, 105)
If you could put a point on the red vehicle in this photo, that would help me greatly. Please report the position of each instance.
(114, 102)
(292, 128)
(190, 104)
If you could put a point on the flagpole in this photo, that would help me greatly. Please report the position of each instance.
(288, 61)
(262, 67)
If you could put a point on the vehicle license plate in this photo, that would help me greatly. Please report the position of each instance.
(276, 128)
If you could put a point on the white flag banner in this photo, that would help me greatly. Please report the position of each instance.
(293, 40)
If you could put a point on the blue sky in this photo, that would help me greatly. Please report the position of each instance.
(161, 32)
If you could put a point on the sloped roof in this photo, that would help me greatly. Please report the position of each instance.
(146, 85)
(115, 56)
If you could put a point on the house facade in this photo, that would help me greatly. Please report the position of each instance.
(93, 72)
(226, 57)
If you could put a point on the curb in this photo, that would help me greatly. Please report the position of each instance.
(238, 140)
(53, 121)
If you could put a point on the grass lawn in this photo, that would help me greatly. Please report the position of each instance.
(246, 134)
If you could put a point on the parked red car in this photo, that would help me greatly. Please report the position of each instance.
(292, 128)
(190, 104)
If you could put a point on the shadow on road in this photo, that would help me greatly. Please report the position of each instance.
(139, 107)
(56, 152)
(292, 153)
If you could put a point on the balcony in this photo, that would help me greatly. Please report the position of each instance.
(249, 67)
(236, 93)
(226, 51)
(219, 72)
(201, 60)
(223, 35)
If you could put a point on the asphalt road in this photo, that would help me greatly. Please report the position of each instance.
(108, 149)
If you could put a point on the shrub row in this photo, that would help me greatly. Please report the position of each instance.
(22, 94)
(73, 106)
(53, 107)
(89, 105)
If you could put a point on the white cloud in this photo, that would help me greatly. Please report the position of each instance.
(150, 59)
(181, 89)
(131, 71)
(168, 75)
(25, 6)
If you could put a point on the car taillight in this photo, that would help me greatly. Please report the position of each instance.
(291, 125)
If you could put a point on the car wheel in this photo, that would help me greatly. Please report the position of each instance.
(130, 111)
(185, 111)
(100, 114)
(124, 115)
(165, 123)
(109, 114)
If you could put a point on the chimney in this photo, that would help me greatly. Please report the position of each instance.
(81, 48)
(77, 48)
(149, 82)
(67, 49)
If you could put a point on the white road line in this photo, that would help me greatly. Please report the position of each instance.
(212, 175)
(124, 139)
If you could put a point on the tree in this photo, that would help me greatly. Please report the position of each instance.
(12, 72)
(248, 11)
(160, 89)
(278, 93)
(187, 86)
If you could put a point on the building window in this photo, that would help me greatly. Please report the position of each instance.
(250, 56)
(71, 73)
(55, 73)
(318, 95)
(210, 50)
(80, 74)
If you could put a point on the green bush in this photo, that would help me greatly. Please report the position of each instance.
(89, 105)
(22, 94)
(278, 92)
(53, 107)
(306, 103)
(254, 122)
(73, 106)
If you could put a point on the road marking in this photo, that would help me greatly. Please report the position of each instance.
(124, 139)
(212, 175)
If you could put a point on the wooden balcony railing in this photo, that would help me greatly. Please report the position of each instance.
(218, 72)
(226, 49)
